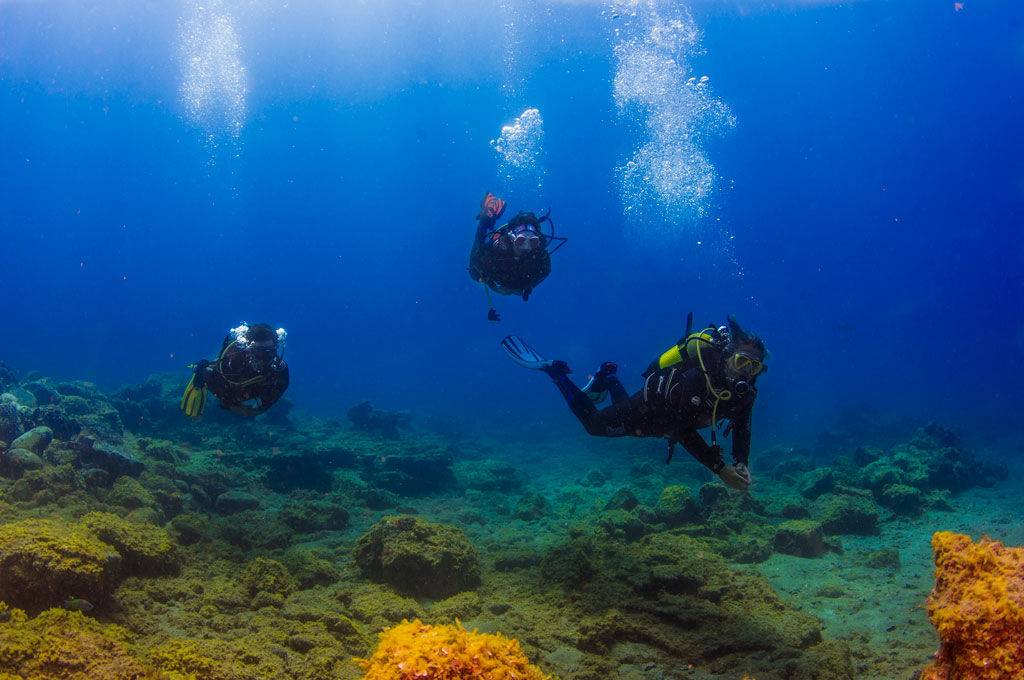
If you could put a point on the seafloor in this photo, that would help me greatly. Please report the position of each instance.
(140, 544)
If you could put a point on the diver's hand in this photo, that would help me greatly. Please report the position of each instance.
(492, 315)
(736, 476)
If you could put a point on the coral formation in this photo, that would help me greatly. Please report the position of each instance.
(978, 608)
(413, 650)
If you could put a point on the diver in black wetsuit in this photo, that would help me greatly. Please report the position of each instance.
(705, 378)
(512, 259)
(248, 377)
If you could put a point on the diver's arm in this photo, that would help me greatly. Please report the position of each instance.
(741, 432)
(691, 385)
(484, 225)
(695, 445)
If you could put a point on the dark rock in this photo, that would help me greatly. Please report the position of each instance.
(411, 472)
(64, 428)
(624, 499)
(190, 527)
(112, 460)
(418, 557)
(531, 506)
(15, 462)
(94, 478)
(141, 391)
(300, 643)
(848, 515)
(594, 477)
(901, 499)
(748, 547)
(6, 376)
(865, 455)
(35, 440)
(42, 392)
(74, 389)
(75, 405)
(11, 425)
(307, 516)
(231, 502)
(377, 499)
(884, 558)
(801, 538)
(488, 475)
(383, 423)
(711, 494)
(677, 506)
(938, 500)
(816, 482)
(623, 524)
(792, 511)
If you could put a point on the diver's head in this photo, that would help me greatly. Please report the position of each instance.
(744, 357)
(263, 340)
(262, 335)
(525, 241)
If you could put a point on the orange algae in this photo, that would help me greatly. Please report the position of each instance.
(977, 607)
(416, 651)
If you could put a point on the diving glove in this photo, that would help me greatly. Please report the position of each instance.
(736, 476)
(491, 207)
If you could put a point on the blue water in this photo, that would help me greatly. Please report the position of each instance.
(866, 217)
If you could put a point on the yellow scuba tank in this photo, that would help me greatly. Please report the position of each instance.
(690, 344)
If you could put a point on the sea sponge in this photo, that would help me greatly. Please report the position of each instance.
(415, 651)
(978, 608)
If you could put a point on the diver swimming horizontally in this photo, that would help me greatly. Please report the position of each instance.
(512, 259)
(250, 367)
(706, 377)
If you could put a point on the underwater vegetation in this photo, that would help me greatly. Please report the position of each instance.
(413, 650)
(137, 544)
(978, 608)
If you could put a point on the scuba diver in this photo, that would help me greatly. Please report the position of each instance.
(705, 378)
(250, 367)
(512, 259)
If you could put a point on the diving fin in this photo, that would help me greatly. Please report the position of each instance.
(596, 396)
(597, 387)
(194, 400)
(524, 355)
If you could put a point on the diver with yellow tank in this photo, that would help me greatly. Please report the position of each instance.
(705, 378)
(248, 376)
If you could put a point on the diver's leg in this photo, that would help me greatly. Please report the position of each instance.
(616, 389)
(621, 419)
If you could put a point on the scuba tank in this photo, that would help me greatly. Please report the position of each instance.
(690, 345)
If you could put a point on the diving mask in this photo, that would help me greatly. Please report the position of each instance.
(524, 240)
(745, 364)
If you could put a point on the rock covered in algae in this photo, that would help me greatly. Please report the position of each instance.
(145, 548)
(413, 650)
(800, 537)
(418, 557)
(63, 645)
(977, 607)
(44, 562)
(677, 506)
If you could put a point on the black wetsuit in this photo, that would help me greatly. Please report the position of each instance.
(492, 261)
(242, 375)
(665, 408)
